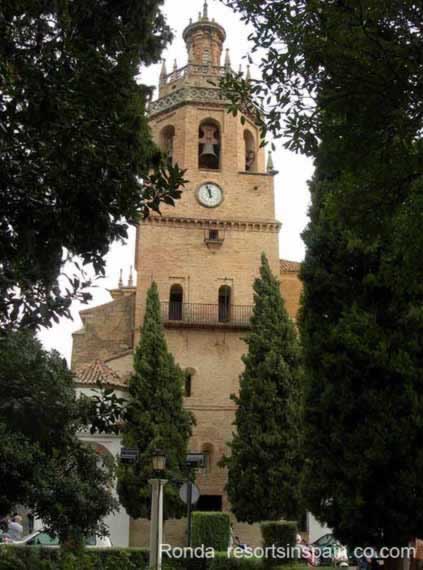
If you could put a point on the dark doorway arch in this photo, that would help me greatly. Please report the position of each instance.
(225, 304)
(176, 299)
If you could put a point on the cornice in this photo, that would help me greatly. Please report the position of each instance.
(185, 95)
(267, 226)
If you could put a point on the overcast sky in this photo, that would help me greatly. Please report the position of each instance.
(292, 197)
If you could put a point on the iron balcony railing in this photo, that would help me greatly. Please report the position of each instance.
(206, 315)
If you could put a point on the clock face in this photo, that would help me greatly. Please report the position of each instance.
(210, 195)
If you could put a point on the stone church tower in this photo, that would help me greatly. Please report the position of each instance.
(204, 254)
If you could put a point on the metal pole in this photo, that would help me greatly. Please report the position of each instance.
(154, 519)
(189, 511)
(156, 523)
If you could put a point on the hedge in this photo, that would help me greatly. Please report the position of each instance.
(211, 530)
(280, 534)
(38, 558)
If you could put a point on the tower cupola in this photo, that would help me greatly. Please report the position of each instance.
(204, 40)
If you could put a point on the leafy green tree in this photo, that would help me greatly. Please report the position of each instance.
(42, 462)
(155, 418)
(77, 161)
(265, 464)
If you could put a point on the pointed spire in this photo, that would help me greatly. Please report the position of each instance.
(270, 165)
(240, 72)
(227, 59)
(131, 278)
(175, 65)
(205, 11)
(163, 72)
(120, 284)
(248, 75)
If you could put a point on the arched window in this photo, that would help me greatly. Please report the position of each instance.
(250, 152)
(176, 299)
(167, 136)
(209, 145)
(224, 304)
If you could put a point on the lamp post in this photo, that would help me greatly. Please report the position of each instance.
(156, 521)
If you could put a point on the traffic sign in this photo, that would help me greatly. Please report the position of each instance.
(184, 492)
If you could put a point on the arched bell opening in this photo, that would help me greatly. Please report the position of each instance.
(250, 151)
(167, 142)
(209, 145)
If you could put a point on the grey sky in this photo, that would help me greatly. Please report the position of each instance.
(292, 197)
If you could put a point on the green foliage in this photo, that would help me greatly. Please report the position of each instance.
(348, 85)
(339, 56)
(35, 558)
(266, 458)
(212, 529)
(42, 462)
(77, 161)
(280, 534)
(30, 558)
(155, 418)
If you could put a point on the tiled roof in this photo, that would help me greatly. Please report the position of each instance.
(290, 266)
(97, 372)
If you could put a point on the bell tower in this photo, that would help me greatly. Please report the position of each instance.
(204, 253)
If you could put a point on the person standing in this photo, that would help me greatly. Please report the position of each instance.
(15, 528)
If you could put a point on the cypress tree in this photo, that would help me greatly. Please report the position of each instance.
(265, 462)
(156, 418)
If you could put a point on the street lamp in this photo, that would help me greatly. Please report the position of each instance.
(159, 461)
(156, 521)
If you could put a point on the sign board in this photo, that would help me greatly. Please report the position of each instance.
(195, 493)
(196, 460)
(128, 455)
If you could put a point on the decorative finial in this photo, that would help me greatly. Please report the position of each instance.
(270, 165)
(190, 21)
(240, 72)
(131, 278)
(248, 75)
(206, 10)
(227, 59)
(163, 72)
(175, 65)
(199, 15)
(120, 284)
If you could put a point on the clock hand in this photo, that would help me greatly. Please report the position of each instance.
(210, 192)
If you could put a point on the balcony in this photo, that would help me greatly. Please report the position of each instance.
(200, 315)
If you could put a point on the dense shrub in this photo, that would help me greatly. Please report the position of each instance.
(35, 558)
(211, 529)
(280, 534)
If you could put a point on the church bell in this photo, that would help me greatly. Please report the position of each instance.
(208, 150)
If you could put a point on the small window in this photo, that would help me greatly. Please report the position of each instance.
(224, 304)
(206, 56)
(188, 385)
(176, 298)
(214, 235)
